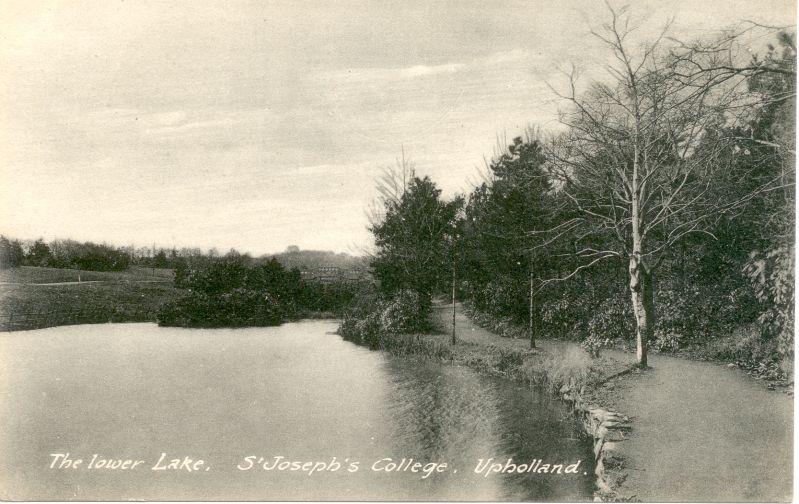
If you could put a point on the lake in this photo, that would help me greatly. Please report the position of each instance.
(282, 413)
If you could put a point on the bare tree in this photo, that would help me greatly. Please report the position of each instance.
(645, 156)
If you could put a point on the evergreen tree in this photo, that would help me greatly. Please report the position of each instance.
(412, 238)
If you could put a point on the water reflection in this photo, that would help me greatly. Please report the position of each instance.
(452, 413)
(137, 390)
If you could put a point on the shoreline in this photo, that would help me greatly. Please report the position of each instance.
(508, 360)
(557, 368)
(595, 396)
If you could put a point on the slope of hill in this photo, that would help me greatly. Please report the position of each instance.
(306, 260)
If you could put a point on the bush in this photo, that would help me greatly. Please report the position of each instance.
(503, 297)
(593, 344)
(370, 318)
(504, 326)
(404, 313)
(236, 308)
(667, 341)
(570, 368)
(232, 293)
(772, 277)
(696, 314)
(414, 344)
(612, 319)
(566, 312)
(746, 348)
(509, 359)
(363, 330)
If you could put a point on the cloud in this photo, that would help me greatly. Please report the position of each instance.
(379, 75)
(388, 74)
(166, 129)
(171, 123)
(511, 56)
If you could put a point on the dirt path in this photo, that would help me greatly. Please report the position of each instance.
(705, 432)
(701, 431)
(466, 330)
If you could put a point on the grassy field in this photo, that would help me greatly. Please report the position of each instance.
(128, 296)
(37, 275)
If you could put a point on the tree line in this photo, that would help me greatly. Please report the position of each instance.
(104, 257)
(662, 210)
(63, 254)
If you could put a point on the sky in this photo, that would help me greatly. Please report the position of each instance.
(259, 125)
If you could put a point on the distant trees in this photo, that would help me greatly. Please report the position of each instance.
(293, 257)
(86, 256)
(63, 254)
(39, 254)
(11, 254)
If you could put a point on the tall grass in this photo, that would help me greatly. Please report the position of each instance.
(570, 367)
(416, 344)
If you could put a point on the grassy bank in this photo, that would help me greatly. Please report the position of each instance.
(552, 365)
(564, 369)
(128, 296)
(552, 368)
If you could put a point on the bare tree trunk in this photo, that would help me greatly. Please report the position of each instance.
(642, 291)
(638, 270)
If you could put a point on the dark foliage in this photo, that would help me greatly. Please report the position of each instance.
(711, 287)
(11, 254)
(238, 307)
(76, 255)
(371, 319)
(230, 293)
(414, 241)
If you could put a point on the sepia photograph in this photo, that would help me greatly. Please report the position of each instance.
(397, 251)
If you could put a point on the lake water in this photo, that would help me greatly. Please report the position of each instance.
(135, 391)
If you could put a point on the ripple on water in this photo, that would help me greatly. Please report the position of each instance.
(137, 390)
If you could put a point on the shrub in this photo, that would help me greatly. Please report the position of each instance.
(612, 319)
(235, 308)
(562, 317)
(667, 341)
(504, 326)
(593, 344)
(502, 297)
(370, 318)
(746, 348)
(509, 359)
(404, 314)
(698, 313)
(363, 329)
(772, 277)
